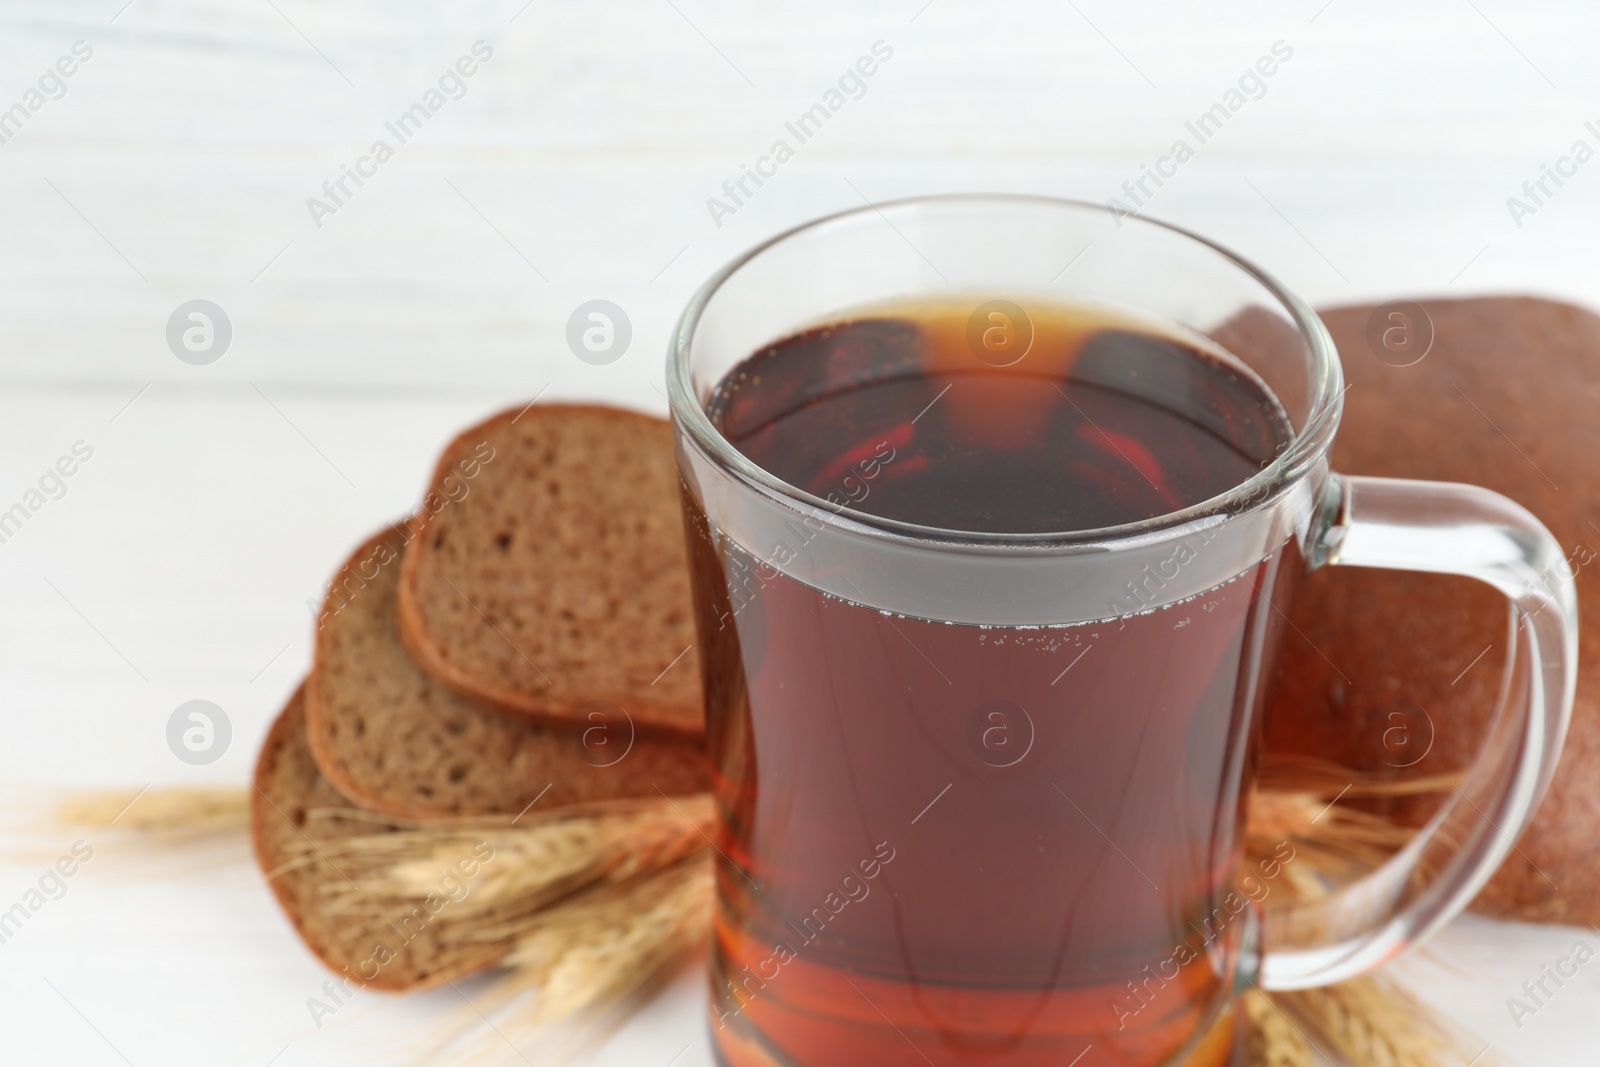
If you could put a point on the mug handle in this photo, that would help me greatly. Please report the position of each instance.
(1443, 528)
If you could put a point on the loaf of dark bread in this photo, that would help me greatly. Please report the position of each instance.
(1397, 674)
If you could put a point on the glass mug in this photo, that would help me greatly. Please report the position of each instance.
(981, 794)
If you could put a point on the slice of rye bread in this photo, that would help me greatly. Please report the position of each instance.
(555, 584)
(1397, 673)
(394, 741)
(366, 949)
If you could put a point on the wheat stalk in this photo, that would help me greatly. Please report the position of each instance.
(1271, 1039)
(595, 949)
(1372, 1021)
(184, 812)
(594, 907)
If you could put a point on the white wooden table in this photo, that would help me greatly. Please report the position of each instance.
(576, 164)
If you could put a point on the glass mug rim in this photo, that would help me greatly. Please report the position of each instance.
(1302, 454)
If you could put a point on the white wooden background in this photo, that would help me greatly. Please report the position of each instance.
(177, 166)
